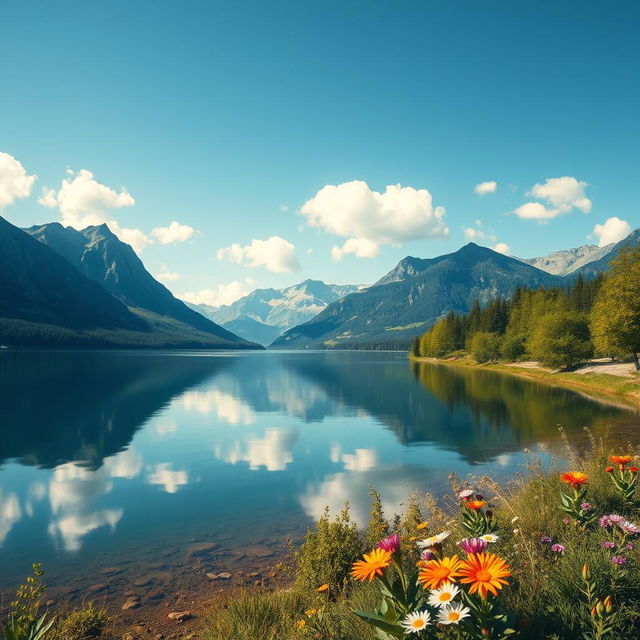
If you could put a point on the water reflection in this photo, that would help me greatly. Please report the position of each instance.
(122, 454)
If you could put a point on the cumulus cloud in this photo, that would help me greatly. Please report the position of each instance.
(475, 234)
(483, 188)
(369, 219)
(274, 254)
(175, 232)
(224, 294)
(14, 181)
(502, 247)
(164, 275)
(83, 201)
(612, 230)
(560, 195)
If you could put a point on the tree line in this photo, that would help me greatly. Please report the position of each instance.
(559, 326)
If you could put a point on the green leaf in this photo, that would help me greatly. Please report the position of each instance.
(378, 621)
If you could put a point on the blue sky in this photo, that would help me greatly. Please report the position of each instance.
(229, 118)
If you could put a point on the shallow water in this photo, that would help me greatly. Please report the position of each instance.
(174, 464)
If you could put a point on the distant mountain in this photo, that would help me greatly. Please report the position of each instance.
(98, 254)
(264, 314)
(39, 287)
(411, 297)
(566, 261)
(602, 264)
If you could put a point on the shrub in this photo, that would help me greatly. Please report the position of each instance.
(512, 347)
(485, 346)
(561, 339)
(86, 622)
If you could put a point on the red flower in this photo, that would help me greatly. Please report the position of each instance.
(609, 469)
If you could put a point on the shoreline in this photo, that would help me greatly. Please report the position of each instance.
(602, 386)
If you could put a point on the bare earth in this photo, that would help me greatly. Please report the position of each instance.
(600, 365)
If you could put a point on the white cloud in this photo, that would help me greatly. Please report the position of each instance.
(369, 219)
(274, 254)
(175, 232)
(14, 181)
(477, 235)
(227, 407)
(164, 275)
(10, 514)
(170, 480)
(83, 201)
(562, 195)
(224, 294)
(483, 188)
(502, 247)
(613, 230)
(360, 247)
(72, 528)
(273, 451)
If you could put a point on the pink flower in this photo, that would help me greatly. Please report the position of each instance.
(585, 506)
(608, 545)
(619, 560)
(557, 548)
(390, 544)
(465, 494)
(628, 527)
(545, 540)
(427, 555)
(473, 545)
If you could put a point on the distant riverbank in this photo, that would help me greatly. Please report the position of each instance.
(612, 380)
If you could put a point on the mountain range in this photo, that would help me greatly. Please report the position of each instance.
(264, 314)
(566, 261)
(87, 288)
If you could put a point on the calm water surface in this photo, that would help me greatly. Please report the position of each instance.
(132, 460)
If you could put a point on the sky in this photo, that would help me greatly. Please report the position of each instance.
(248, 144)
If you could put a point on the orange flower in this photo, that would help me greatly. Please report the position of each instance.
(620, 459)
(609, 469)
(324, 587)
(633, 469)
(485, 572)
(372, 566)
(434, 573)
(423, 525)
(574, 478)
(475, 504)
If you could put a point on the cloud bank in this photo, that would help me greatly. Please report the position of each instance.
(14, 181)
(274, 254)
(560, 195)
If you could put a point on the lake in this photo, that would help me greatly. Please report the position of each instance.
(118, 464)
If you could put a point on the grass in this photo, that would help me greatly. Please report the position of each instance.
(543, 596)
(625, 389)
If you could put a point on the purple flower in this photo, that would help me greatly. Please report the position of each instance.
(557, 548)
(545, 540)
(473, 545)
(619, 560)
(427, 555)
(390, 544)
(585, 506)
(628, 527)
(630, 547)
(604, 522)
(615, 519)
(608, 545)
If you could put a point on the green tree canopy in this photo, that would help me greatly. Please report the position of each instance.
(561, 339)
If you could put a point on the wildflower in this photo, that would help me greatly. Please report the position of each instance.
(615, 518)
(416, 621)
(486, 572)
(390, 544)
(619, 560)
(433, 540)
(422, 525)
(621, 460)
(609, 469)
(413, 538)
(445, 594)
(629, 527)
(633, 469)
(629, 547)
(545, 540)
(372, 566)
(558, 548)
(434, 573)
(514, 519)
(427, 555)
(300, 624)
(566, 520)
(473, 545)
(310, 612)
(585, 506)
(465, 494)
(475, 504)
(608, 545)
(610, 520)
(453, 614)
(324, 587)
(489, 537)
(574, 478)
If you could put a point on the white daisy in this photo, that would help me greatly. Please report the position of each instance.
(453, 614)
(465, 493)
(433, 540)
(416, 621)
(489, 537)
(444, 595)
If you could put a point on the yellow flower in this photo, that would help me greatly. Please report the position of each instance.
(423, 525)
(372, 566)
(310, 612)
(324, 587)
(413, 538)
(300, 623)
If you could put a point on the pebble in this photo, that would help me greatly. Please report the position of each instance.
(180, 616)
(131, 603)
(110, 571)
(225, 575)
